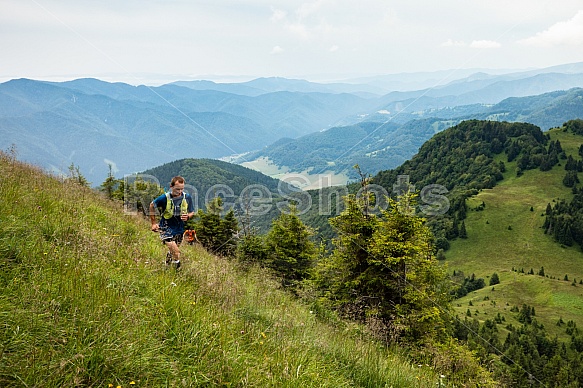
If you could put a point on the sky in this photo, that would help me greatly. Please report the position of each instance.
(157, 41)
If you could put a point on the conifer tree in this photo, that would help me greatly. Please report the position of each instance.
(109, 184)
(384, 267)
(215, 233)
(76, 176)
(494, 279)
(291, 252)
(462, 232)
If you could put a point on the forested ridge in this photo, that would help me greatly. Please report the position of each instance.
(212, 177)
(469, 157)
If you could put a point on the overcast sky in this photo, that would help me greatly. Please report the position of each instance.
(156, 41)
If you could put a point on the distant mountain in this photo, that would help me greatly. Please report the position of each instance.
(371, 145)
(490, 90)
(92, 123)
(277, 84)
(381, 145)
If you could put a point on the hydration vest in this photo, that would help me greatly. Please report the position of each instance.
(169, 212)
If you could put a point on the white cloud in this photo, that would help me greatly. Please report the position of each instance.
(333, 48)
(453, 43)
(569, 32)
(276, 50)
(484, 44)
(277, 15)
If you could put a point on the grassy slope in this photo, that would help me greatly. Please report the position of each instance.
(85, 301)
(493, 247)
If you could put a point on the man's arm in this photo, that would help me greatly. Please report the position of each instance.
(154, 225)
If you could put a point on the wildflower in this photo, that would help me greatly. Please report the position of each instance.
(132, 383)
(173, 284)
(263, 334)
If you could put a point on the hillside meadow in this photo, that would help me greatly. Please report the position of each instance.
(86, 301)
(507, 238)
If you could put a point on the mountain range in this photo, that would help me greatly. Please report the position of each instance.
(377, 122)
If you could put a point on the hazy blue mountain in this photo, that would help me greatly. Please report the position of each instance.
(294, 113)
(277, 84)
(549, 110)
(485, 90)
(382, 145)
(92, 123)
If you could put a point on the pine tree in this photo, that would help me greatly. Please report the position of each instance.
(215, 233)
(494, 279)
(76, 176)
(109, 184)
(385, 267)
(291, 252)
(462, 232)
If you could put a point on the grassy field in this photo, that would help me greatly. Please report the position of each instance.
(506, 237)
(86, 301)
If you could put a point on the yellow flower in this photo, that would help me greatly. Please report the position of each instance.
(263, 334)
(132, 383)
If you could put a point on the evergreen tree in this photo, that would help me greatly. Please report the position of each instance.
(383, 266)
(291, 252)
(462, 232)
(76, 176)
(571, 164)
(137, 193)
(109, 184)
(252, 248)
(494, 279)
(216, 234)
(571, 178)
(229, 232)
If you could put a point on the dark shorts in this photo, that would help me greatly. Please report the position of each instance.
(177, 238)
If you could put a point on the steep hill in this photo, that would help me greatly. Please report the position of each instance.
(86, 301)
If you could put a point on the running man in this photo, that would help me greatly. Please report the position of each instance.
(176, 207)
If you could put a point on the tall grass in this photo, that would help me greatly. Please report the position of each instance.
(86, 301)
